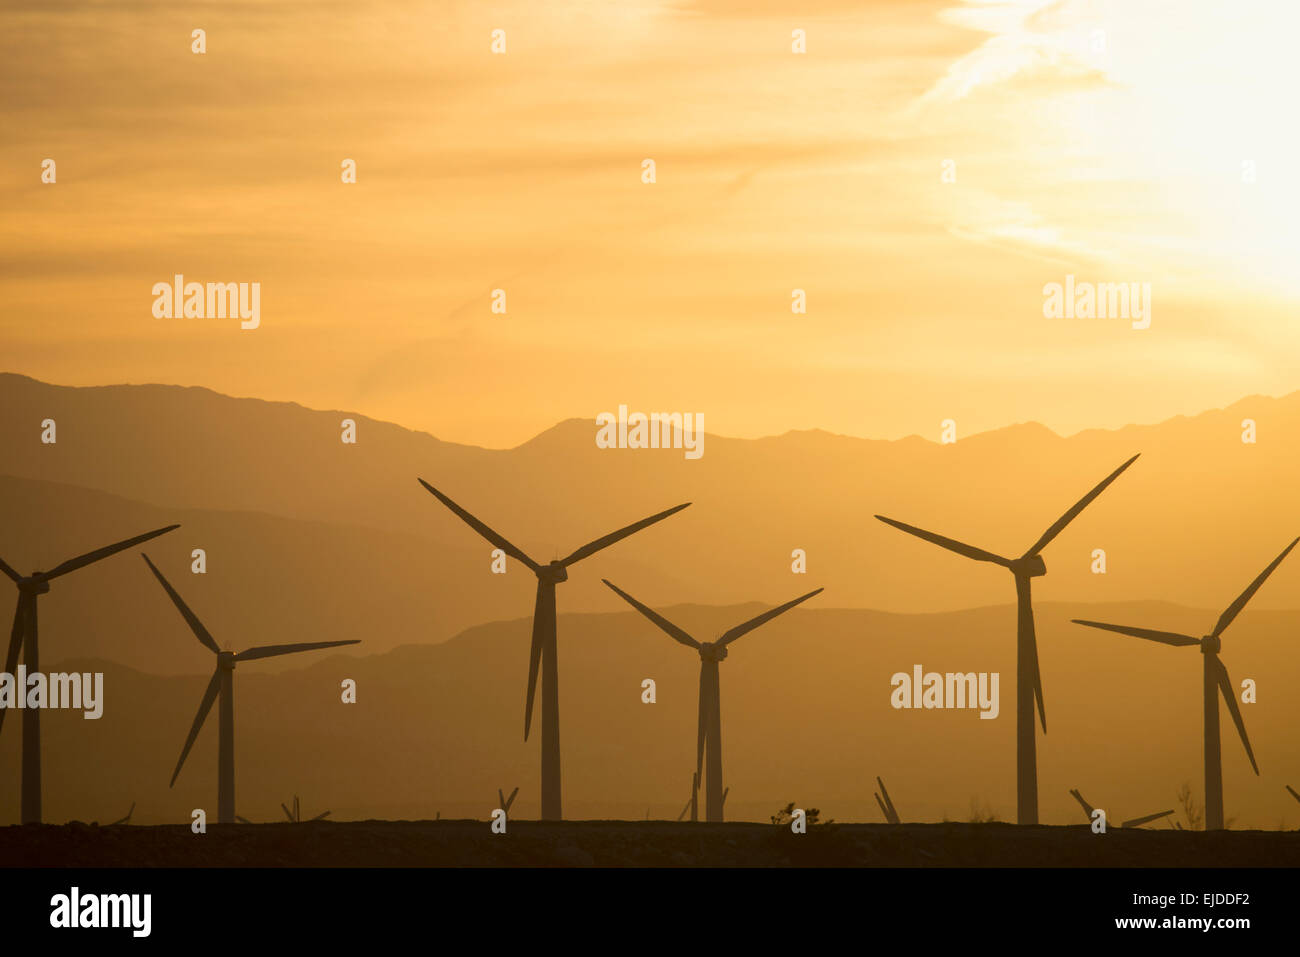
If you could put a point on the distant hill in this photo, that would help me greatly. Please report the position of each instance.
(1192, 522)
(806, 717)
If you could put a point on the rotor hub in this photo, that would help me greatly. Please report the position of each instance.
(554, 572)
(1210, 645)
(1032, 566)
(713, 651)
(226, 660)
(34, 584)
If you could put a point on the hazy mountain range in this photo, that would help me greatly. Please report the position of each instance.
(310, 539)
(308, 534)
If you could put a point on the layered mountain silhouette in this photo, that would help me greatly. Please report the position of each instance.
(309, 539)
(1197, 493)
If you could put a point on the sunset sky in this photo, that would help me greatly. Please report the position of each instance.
(775, 171)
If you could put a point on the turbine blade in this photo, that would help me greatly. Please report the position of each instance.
(321, 816)
(1235, 608)
(510, 800)
(893, 812)
(542, 610)
(297, 809)
(883, 810)
(81, 561)
(209, 696)
(1146, 819)
(287, 812)
(270, 651)
(4, 567)
(1074, 511)
(191, 619)
(15, 645)
(1293, 791)
(699, 737)
(1036, 676)
(961, 548)
(733, 633)
(1230, 696)
(606, 540)
(242, 820)
(725, 792)
(677, 634)
(1026, 632)
(1164, 637)
(501, 799)
(684, 810)
(1087, 808)
(496, 538)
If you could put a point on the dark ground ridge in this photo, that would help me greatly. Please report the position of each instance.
(463, 843)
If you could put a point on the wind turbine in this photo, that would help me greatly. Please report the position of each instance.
(886, 805)
(1029, 682)
(693, 805)
(125, 820)
(506, 801)
(223, 685)
(25, 638)
(711, 653)
(1133, 822)
(1215, 680)
(544, 652)
(296, 814)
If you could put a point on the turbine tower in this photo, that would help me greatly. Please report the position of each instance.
(25, 638)
(709, 737)
(1029, 682)
(1215, 681)
(544, 652)
(223, 685)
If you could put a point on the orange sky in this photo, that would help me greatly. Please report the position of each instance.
(776, 171)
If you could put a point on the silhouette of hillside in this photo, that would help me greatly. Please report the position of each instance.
(1191, 522)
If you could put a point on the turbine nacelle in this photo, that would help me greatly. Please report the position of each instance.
(226, 660)
(1029, 566)
(553, 572)
(34, 584)
(712, 650)
(1211, 644)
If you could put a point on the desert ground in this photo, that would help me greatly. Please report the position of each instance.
(635, 844)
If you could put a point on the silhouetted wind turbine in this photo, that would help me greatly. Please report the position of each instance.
(125, 820)
(1215, 681)
(25, 638)
(296, 814)
(543, 652)
(693, 805)
(1133, 822)
(506, 801)
(1029, 682)
(223, 684)
(886, 805)
(711, 653)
